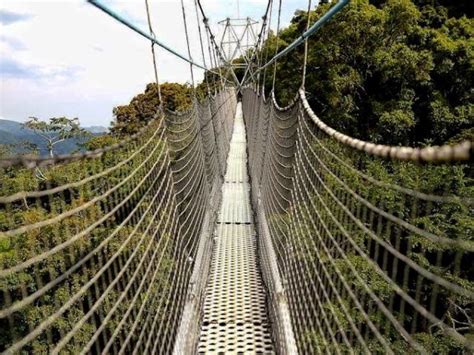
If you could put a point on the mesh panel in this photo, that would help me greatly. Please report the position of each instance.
(235, 315)
(96, 254)
(375, 254)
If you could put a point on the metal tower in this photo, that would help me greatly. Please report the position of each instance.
(236, 44)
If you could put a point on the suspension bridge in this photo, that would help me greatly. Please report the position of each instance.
(238, 226)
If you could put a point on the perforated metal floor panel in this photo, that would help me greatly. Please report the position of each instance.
(235, 316)
(235, 204)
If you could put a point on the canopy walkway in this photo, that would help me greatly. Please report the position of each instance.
(236, 227)
(159, 244)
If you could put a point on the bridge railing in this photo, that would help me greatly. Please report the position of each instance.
(97, 249)
(374, 255)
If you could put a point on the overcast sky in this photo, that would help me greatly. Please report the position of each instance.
(67, 58)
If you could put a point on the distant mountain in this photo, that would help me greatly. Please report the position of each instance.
(96, 129)
(12, 132)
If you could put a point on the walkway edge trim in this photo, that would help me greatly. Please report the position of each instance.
(278, 303)
(188, 332)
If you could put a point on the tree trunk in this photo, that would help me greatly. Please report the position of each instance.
(50, 149)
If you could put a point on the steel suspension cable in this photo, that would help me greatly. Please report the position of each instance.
(256, 52)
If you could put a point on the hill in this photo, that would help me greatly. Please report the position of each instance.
(13, 133)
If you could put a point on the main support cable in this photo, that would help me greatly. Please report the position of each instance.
(133, 27)
(153, 39)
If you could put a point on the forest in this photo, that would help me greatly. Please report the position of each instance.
(395, 72)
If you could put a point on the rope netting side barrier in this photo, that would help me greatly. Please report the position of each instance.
(373, 249)
(96, 254)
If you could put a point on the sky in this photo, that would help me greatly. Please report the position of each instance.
(67, 58)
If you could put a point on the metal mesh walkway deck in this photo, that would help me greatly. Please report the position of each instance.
(235, 316)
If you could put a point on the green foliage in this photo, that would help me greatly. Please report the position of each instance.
(56, 130)
(101, 142)
(210, 84)
(312, 233)
(144, 107)
(400, 72)
(26, 245)
(396, 72)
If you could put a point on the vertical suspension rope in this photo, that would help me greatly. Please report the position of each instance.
(202, 47)
(152, 33)
(212, 44)
(216, 60)
(305, 59)
(276, 47)
(256, 54)
(187, 43)
(266, 41)
(219, 62)
(261, 41)
(210, 48)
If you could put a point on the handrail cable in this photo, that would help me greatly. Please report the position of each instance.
(127, 23)
(435, 154)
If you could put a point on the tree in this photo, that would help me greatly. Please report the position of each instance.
(143, 107)
(400, 72)
(56, 130)
(5, 151)
(397, 72)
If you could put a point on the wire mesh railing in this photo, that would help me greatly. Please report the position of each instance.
(375, 255)
(96, 253)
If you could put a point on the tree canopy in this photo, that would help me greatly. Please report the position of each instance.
(392, 72)
(143, 107)
(56, 130)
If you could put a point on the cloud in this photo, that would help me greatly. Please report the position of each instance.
(12, 42)
(12, 69)
(97, 48)
(78, 62)
(9, 17)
